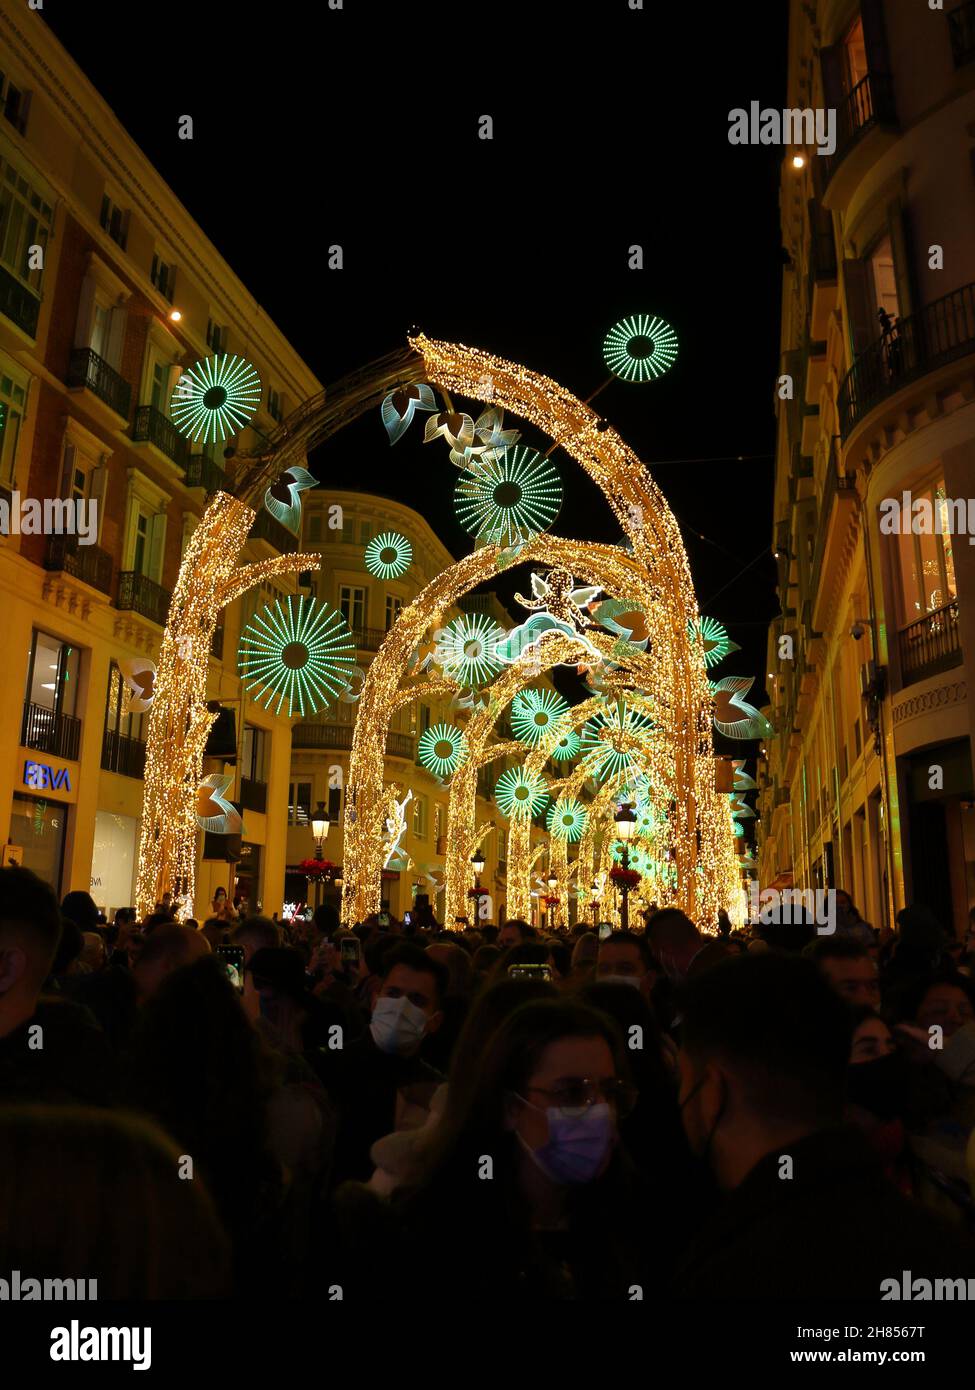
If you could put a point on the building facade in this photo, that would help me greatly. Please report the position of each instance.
(108, 291)
(867, 784)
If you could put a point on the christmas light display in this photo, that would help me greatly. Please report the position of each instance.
(213, 811)
(534, 713)
(714, 639)
(215, 398)
(139, 675)
(733, 715)
(605, 747)
(302, 654)
(567, 746)
(283, 497)
(388, 556)
(640, 348)
(520, 794)
(467, 649)
(400, 406)
(503, 501)
(567, 819)
(442, 749)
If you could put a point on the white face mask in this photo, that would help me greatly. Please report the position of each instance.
(397, 1026)
(619, 980)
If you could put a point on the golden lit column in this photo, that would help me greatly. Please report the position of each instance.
(179, 721)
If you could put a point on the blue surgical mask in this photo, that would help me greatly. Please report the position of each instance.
(633, 980)
(577, 1146)
(397, 1026)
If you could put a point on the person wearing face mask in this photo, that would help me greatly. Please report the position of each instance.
(624, 958)
(806, 1211)
(525, 1190)
(374, 1080)
(877, 1094)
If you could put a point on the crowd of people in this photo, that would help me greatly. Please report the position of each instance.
(254, 1108)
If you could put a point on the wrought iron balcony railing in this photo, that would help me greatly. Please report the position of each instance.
(934, 336)
(89, 563)
(123, 754)
(152, 427)
(50, 732)
(869, 104)
(265, 528)
(203, 471)
(339, 736)
(368, 639)
(18, 303)
(139, 594)
(930, 645)
(86, 368)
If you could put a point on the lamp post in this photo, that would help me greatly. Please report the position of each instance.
(553, 883)
(594, 901)
(625, 830)
(477, 864)
(319, 828)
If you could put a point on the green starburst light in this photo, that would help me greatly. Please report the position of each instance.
(713, 636)
(567, 820)
(442, 749)
(467, 649)
(520, 794)
(603, 739)
(567, 746)
(388, 556)
(301, 653)
(535, 713)
(215, 398)
(507, 500)
(640, 348)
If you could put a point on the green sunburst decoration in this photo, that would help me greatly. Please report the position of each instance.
(301, 653)
(567, 819)
(520, 794)
(215, 398)
(535, 713)
(442, 749)
(603, 734)
(647, 820)
(467, 649)
(639, 859)
(714, 638)
(640, 348)
(388, 556)
(567, 746)
(507, 500)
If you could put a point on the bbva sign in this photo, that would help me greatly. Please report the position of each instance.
(41, 775)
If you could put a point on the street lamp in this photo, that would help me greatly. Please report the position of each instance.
(319, 829)
(477, 893)
(626, 831)
(477, 864)
(553, 883)
(594, 900)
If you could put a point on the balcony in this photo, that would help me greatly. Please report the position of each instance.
(124, 755)
(265, 528)
(50, 732)
(88, 371)
(139, 594)
(339, 736)
(835, 485)
(368, 639)
(930, 645)
(961, 31)
(88, 563)
(18, 303)
(931, 338)
(202, 471)
(870, 104)
(152, 427)
(253, 795)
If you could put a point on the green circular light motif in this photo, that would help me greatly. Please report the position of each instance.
(507, 500)
(567, 820)
(567, 746)
(520, 794)
(442, 749)
(640, 348)
(535, 715)
(606, 761)
(638, 861)
(302, 653)
(714, 638)
(467, 649)
(388, 556)
(215, 398)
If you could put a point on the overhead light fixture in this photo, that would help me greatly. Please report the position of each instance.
(477, 863)
(175, 316)
(625, 822)
(320, 822)
(798, 161)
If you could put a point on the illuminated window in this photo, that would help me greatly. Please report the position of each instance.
(927, 567)
(352, 602)
(299, 803)
(854, 56)
(420, 817)
(25, 221)
(394, 606)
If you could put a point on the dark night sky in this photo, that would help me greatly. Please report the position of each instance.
(359, 127)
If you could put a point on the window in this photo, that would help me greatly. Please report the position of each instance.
(25, 221)
(114, 221)
(253, 757)
(52, 674)
(159, 392)
(438, 821)
(424, 718)
(348, 531)
(315, 527)
(15, 104)
(163, 276)
(273, 404)
(352, 602)
(334, 803)
(13, 403)
(119, 718)
(140, 557)
(927, 567)
(883, 282)
(420, 817)
(299, 803)
(854, 56)
(365, 533)
(394, 606)
(216, 336)
(79, 482)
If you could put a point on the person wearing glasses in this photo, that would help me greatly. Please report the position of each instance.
(525, 1188)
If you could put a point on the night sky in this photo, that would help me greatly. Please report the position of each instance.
(359, 127)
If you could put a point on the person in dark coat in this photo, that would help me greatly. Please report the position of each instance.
(807, 1212)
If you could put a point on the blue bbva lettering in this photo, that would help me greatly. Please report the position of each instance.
(42, 775)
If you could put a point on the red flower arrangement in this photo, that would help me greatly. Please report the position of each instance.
(551, 901)
(477, 893)
(316, 868)
(621, 876)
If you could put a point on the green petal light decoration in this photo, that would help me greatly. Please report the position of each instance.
(505, 501)
(639, 859)
(442, 749)
(567, 747)
(535, 713)
(388, 556)
(640, 348)
(215, 398)
(303, 654)
(603, 736)
(520, 794)
(567, 819)
(714, 638)
(467, 649)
